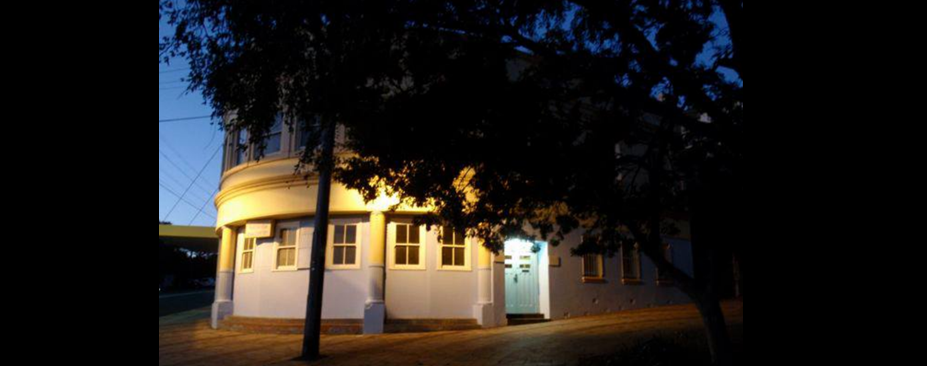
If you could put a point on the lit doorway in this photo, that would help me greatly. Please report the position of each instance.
(527, 278)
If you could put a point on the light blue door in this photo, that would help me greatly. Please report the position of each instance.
(522, 288)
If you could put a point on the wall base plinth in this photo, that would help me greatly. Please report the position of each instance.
(220, 311)
(374, 318)
(485, 315)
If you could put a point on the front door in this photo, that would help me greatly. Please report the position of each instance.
(522, 288)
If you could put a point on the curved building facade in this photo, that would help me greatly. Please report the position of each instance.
(383, 273)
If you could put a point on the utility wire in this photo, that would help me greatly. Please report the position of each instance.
(204, 206)
(168, 190)
(183, 119)
(182, 159)
(172, 71)
(178, 183)
(193, 183)
(198, 185)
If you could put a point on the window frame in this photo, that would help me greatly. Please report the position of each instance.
(639, 277)
(252, 252)
(468, 265)
(278, 239)
(600, 277)
(330, 253)
(297, 133)
(242, 156)
(392, 233)
(668, 254)
(280, 119)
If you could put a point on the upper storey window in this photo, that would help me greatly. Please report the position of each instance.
(274, 139)
(302, 137)
(243, 151)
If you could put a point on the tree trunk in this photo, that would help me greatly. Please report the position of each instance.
(739, 277)
(704, 236)
(719, 340)
(313, 326)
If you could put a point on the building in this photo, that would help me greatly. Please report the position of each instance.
(382, 271)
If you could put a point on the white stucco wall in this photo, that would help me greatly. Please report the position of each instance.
(266, 293)
(437, 294)
(570, 297)
(432, 293)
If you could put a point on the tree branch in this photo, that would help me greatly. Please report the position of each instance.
(733, 11)
(681, 79)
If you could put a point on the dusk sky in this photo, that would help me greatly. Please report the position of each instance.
(185, 148)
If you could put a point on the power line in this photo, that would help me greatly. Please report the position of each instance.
(193, 183)
(168, 190)
(178, 183)
(183, 119)
(180, 156)
(172, 71)
(200, 186)
(172, 82)
(204, 206)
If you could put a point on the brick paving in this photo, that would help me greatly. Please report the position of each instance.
(186, 340)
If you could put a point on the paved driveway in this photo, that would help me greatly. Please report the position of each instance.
(185, 339)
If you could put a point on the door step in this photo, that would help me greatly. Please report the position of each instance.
(525, 319)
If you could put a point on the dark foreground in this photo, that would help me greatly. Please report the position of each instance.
(185, 339)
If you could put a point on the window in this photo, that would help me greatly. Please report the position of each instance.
(408, 241)
(247, 256)
(286, 250)
(454, 251)
(344, 247)
(302, 136)
(230, 158)
(664, 278)
(593, 267)
(631, 264)
(274, 137)
(243, 151)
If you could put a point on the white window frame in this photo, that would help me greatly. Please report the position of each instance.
(241, 156)
(637, 256)
(600, 277)
(277, 247)
(467, 267)
(330, 253)
(422, 247)
(668, 254)
(295, 135)
(283, 141)
(243, 242)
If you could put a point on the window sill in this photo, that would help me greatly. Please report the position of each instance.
(343, 268)
(294, 269)
(628, 282)
(246, 272)
(454, 269)
(408, 269)
(594, 280)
